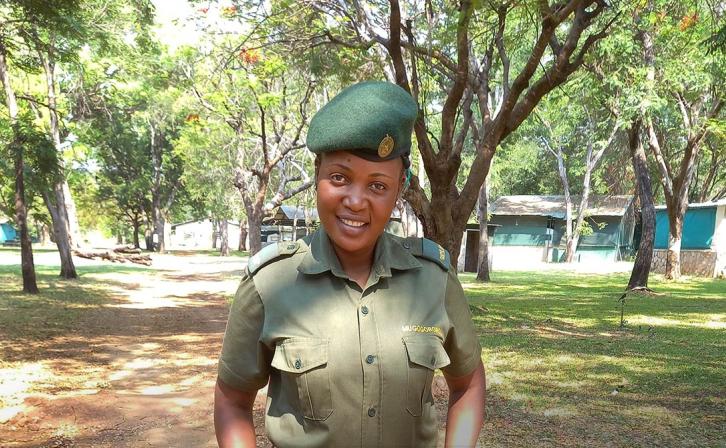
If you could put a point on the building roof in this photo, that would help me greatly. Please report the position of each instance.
(290, 212)
(537, 205)
(718, 203)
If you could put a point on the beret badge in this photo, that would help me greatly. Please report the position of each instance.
(385, 147)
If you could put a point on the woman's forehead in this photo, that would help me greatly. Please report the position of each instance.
(350, 160)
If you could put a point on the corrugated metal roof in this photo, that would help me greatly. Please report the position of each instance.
(292, 212)
(698, 204)
(537, 205)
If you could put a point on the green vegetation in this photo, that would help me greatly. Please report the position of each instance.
(557, 362)
(56, 310)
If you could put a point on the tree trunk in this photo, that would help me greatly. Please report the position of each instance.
(482, 271)
(644, 256)
(442, 223)
(570, 245)
(215, 232)
(21, 217)
(675, 235)
(584, 204)
(148, 239)
(156, 212)
(136, 223)
(30, 284)
(223, 238)
(254, 226)
(57, 210)
(242, 237)
(43, 233)
(69, 206)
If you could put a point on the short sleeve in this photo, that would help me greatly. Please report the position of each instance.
(245, 361)
(461, 343)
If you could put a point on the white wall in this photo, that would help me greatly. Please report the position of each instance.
(719, 241)
(198, 235)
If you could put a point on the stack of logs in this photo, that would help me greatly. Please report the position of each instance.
(120, 254)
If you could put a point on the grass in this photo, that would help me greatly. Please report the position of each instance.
(57, 307)
(560, 370)
(208, 252)
(558, 363)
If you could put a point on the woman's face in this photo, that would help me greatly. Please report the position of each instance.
(355, 198)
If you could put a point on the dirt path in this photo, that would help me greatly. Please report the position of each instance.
(137, 371)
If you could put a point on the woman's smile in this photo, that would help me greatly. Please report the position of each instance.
(355, 200)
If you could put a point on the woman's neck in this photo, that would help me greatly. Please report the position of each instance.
(356, 264)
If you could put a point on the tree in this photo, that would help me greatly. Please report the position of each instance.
(21, 217)
(257, 107)
(128, 111)
(569, 127)
(209, 161)
(641, 268)
(474, 54)
(686, 81)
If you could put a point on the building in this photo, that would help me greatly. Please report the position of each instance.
(289, 223)
(531, 228)
(199, 235)
(7, 231)
(703, 243)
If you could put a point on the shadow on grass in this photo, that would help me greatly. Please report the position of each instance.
(91, 306)
(552, 344)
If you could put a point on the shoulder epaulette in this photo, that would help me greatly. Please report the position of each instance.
(270, 253)
(425, 248)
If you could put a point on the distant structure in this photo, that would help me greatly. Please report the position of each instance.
(7, 231)
(289, 223)
(703, 243)
(200, 234)
(531, 228)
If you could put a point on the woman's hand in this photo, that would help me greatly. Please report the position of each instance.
(467, 397)
(233, 416)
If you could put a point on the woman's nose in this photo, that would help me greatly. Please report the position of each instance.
(355, 199)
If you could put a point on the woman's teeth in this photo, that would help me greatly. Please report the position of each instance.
(353, 223)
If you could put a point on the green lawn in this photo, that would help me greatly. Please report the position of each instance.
(209, 252)
(60, 303)
(562, 372)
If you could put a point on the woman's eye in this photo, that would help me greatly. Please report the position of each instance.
(337, 178)
(378, 186)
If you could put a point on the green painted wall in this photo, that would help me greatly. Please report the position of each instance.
(699, 225)
(520, 230)
(7, 232)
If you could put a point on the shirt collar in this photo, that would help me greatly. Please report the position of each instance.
(389, 254)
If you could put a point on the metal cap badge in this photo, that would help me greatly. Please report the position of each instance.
(385, 147)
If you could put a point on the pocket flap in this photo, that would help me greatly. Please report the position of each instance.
(426, 350)
(298, 355)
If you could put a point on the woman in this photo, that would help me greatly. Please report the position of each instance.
(348, 325)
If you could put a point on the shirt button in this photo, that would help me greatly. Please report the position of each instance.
(298, 364)
(364, 309)
(371, 412)
(370, 359)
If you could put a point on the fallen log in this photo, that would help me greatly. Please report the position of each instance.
(127, 250)
(113, 256)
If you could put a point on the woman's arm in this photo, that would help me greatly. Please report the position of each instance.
(467, 396)
(233, 416)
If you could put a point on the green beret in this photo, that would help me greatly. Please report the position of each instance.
(373, 119)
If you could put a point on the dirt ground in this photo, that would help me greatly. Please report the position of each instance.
(137, 371)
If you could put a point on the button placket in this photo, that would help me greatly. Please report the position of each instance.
(369, 349)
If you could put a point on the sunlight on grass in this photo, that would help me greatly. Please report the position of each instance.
(554, 349)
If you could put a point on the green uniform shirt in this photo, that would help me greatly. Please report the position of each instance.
(348, 366)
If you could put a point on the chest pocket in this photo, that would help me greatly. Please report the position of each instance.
(305, 375)
(425, 353)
